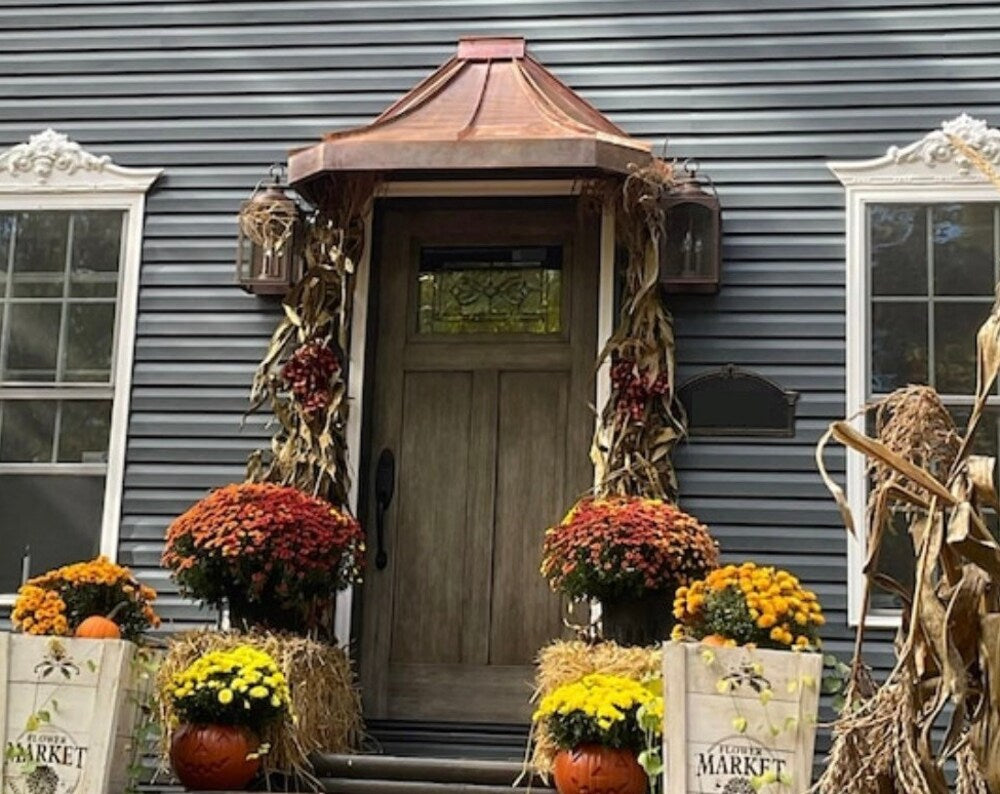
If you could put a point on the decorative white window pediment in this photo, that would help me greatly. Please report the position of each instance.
(940, 157)
(51, 163)
(70, 250)
(923, 256)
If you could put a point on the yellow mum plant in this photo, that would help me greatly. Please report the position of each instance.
(242, 686)
(608, 710)
(749, 604)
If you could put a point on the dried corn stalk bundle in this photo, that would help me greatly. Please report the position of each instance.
(948, 649)
(642, 420)
(302, 377)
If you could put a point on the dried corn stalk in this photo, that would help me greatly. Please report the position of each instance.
(309, 447)
(948, 649)
(642, 420)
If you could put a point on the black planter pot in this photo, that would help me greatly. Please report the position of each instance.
(645, 620)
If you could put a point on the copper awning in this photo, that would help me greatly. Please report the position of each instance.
(490, 108)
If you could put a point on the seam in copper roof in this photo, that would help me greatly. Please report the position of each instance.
(467, 130)
(549, 109)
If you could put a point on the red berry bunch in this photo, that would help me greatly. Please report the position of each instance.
(635, 387)
(307, 375)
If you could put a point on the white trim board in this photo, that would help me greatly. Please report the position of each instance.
(363, 292)
(51, 172)
(926, 171)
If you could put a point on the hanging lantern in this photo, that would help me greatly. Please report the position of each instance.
(269, 244)
(691, 251)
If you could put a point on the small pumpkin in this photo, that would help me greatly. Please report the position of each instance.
(98, 627)
(715, 641)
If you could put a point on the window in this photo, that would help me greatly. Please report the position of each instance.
(923, 256)
(70, 232)
(490, 290)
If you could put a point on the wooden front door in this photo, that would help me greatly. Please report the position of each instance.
(485, 344)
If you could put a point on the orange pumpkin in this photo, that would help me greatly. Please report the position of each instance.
(593, 769)
(98, 627)
(714, 640)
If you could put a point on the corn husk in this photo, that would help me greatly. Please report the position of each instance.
(948, 649)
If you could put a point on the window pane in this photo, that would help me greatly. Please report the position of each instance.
(89, 339)
(491, 290)
(6, 237)
(26, 431)
(57, 516)
(898, 249)
(40, 254)
(33, 342)
(955, 326)
(84, 430)
(899, 345)
(96, 252)
(963, 249)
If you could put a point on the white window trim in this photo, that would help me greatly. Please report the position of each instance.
(929, 170)
(51, 172)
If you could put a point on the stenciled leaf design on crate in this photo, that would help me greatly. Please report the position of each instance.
(57, 659)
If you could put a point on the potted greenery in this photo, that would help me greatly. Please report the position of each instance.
(631, 553)
(271, 553)
(222, 701)
(607, 729)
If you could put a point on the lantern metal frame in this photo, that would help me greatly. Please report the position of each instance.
(690, 191)
(274, 275)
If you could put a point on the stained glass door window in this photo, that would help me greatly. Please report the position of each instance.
(490, 290)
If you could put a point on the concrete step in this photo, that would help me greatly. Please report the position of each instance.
(360, 786)
(436, 770)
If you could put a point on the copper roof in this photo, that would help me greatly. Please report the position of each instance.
(491, 107)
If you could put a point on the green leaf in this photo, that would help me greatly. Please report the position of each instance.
(32, 723)
(43, 715)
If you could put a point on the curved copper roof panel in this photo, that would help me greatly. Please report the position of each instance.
(492, 107)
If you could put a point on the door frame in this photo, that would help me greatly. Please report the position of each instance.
(364, 295)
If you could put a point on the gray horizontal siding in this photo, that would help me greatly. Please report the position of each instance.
(762, 93)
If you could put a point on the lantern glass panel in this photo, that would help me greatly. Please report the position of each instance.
(691, 245)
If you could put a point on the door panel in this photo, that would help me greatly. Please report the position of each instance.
(531, 474)
(483, 383)
(431, 533)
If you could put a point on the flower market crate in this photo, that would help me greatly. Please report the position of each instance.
(68, 712)
(739, 720)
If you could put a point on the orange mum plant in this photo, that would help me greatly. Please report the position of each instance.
(747, 604)
(271, 552)
(622, 546)
(57, 602)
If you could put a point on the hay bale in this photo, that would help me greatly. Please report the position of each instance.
(326, 704)
(565, 662)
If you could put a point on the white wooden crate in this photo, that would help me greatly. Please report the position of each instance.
(71, 705)
(707, 747)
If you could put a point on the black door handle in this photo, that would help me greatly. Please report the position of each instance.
(385, 484)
